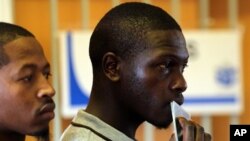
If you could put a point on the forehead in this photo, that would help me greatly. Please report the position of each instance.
(25, 50)
(171, 42)
(168, 38)
(22, 48)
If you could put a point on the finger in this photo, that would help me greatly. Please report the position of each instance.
(207, 137)
(200, 134)
(188, 129)
(172, 138)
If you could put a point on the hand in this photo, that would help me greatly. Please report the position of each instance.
(192, 131)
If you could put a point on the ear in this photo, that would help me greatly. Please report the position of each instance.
(111, 66)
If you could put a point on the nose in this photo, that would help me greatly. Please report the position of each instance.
(178, 84)
(46, 89)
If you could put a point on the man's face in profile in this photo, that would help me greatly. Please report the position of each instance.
(154, 77)
(26, 95)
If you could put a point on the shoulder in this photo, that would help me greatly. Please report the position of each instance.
(73, 133)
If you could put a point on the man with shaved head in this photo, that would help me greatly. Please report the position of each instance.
(138, 55)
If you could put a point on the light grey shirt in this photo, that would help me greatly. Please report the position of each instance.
(87, 127)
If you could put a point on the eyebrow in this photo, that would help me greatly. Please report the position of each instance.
(165, 54)
(33, 66)
(180, 58)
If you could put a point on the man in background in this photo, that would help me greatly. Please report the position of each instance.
(26, 105)
(138, 55)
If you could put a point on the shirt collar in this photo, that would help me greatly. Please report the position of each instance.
(96, 124)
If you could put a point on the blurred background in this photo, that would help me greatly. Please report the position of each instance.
(47, 18)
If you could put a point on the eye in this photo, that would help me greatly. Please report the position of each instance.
(27, 78)
(47, 75)
(166, 66)
(183, 67)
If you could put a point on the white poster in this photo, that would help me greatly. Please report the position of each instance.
(6, 11)
(213, 75)
(76, 71)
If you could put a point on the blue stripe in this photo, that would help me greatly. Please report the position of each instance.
(211, 100)
(78, 97)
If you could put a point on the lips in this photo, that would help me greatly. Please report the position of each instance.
(47, 111)
(179, 99)
(49, 107)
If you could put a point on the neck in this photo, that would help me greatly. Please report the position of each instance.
(11, 136)
(113, 114)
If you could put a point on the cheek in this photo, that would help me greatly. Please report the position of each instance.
(22, 100)
(151, 90)
(145, 81)
(143, 85)
(16, 109)
(151, 83)
(142, 92)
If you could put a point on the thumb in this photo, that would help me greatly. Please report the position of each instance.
(172, 138)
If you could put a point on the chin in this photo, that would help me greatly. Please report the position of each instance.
(42, 135)
(161, 124)
(41, 132)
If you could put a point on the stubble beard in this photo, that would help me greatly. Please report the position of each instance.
(43, 135)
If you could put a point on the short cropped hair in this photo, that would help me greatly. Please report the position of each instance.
(122, 30)
(8, 33)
